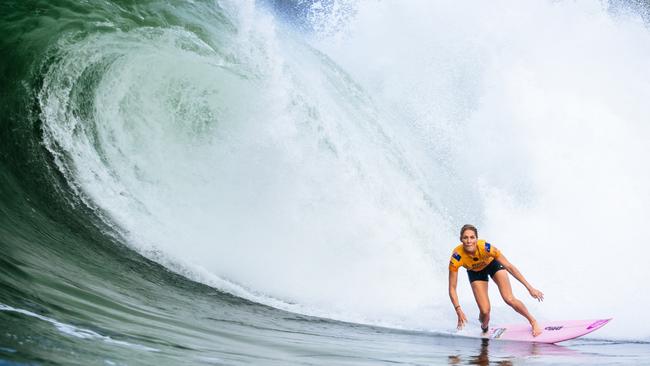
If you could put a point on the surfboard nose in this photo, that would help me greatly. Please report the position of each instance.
(598, 323)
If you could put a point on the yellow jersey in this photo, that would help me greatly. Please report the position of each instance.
(484, 255)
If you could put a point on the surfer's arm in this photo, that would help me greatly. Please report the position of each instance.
(516, 274)
(453, 282)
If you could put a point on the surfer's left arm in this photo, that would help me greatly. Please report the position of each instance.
(516, 274)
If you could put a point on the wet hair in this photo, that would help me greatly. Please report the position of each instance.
(468, 227)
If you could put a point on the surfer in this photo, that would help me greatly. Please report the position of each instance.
(481, 259)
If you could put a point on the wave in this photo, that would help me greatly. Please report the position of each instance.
(232, 146)
(323, 174)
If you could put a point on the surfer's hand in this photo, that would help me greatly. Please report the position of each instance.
(462, 319)
(537, 294)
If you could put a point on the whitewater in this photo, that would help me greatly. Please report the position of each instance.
(304, 167)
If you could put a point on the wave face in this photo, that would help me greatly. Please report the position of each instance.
(168, 169)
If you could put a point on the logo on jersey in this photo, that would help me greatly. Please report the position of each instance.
(487, 247)
(456, 256)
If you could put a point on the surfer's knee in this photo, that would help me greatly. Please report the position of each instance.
(510, 300)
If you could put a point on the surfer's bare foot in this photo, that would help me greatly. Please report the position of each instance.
(484, 326)
(485, 321)
(537, 330)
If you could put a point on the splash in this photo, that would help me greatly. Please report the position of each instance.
(534, 111)
(329, 177)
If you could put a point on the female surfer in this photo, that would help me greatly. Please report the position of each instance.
(481, 259)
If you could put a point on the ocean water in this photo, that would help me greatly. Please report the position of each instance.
(282, 182)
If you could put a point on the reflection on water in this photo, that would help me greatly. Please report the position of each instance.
(482, 359)
(505, 353)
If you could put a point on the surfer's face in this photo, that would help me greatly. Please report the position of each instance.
(469, 241)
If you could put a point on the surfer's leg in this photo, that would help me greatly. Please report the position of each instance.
(480, 289)
(503, 282)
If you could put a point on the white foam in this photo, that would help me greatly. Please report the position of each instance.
(262, 168)
(537, 108)
(71, 330)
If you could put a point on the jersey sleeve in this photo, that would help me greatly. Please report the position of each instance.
(454, 262)
(492, 251)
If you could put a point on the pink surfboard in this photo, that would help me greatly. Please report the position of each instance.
(553, 331)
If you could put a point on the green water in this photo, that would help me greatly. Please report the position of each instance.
(72, 292)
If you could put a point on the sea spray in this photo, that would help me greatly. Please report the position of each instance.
(329, 176)
(534, 114)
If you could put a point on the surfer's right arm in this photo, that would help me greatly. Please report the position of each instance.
(453, 281)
